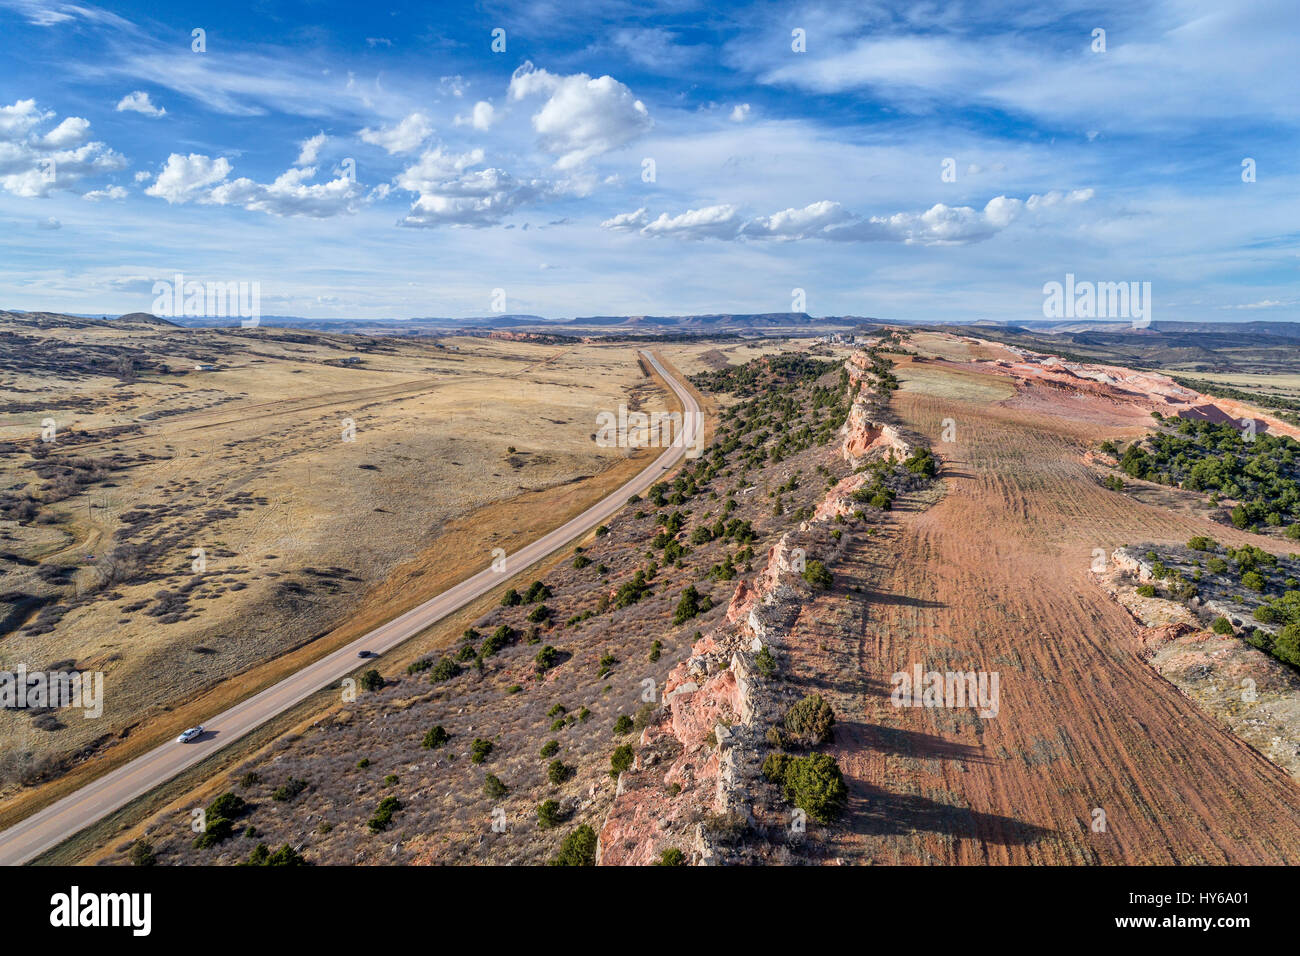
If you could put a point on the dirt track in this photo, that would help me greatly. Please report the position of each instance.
(995, 577)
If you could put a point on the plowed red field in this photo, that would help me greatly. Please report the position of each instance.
(995, 577)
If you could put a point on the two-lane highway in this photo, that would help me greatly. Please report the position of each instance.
(52, 825)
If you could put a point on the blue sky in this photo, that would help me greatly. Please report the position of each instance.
(372, 160)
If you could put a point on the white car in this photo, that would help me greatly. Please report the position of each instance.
(189, 735)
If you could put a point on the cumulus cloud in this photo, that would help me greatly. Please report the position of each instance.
(941, 224)
(32, 164)
(405, 137)
(740, 113)
(482, 116)
(710, 222)
(450, 192)
(581, 117)
(71, 132)
(201, 179)
(17, 120)
(309, 149)
(290, 195)
(139, 102)
(796, 223)
(627, 221)
(187, 177)
(112, 192)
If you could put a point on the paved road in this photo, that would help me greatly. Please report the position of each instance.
(51, 826)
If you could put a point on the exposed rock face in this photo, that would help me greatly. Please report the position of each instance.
(701, 754)
(1150, 390)
(862, 436)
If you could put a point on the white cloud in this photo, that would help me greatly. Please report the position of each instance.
(710, 222)
(436, 166)
(291, 195)
(198, 178)
(941, 224)
(71, 132)
(139, 102)
(143, 176)
(186, 177)
(582, 117)
(740, 113)
(309, 149)
(449, 194)
(17, 120)
(32, 165)
(481, 117)
(627, 221)
(112, 192)
(405, 137)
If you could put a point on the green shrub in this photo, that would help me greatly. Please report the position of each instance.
(227, 805)
(290, 789)
(217, 830)
(816, 574)
(499, 638)
(479, 750)
(671, 857)
(688, 605)
(550, 748)
(371, 681)
(621, 759)
(811, 720)
(1146, 590)
(558, 771)
(1202, 543)
(815, 785)
(445, 669)
(623, 725)
(578, 848)
(435, 737)
(549, 814)
(1221, 625)
(142, 853)
(384, 814)
(493, 786)
(765, 663)
(546, 658)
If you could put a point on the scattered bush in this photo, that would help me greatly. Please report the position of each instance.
(578, 848)
(384, 814)
(621, 759)
(811, 720)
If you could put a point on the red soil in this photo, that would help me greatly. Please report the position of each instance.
(996, 577)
